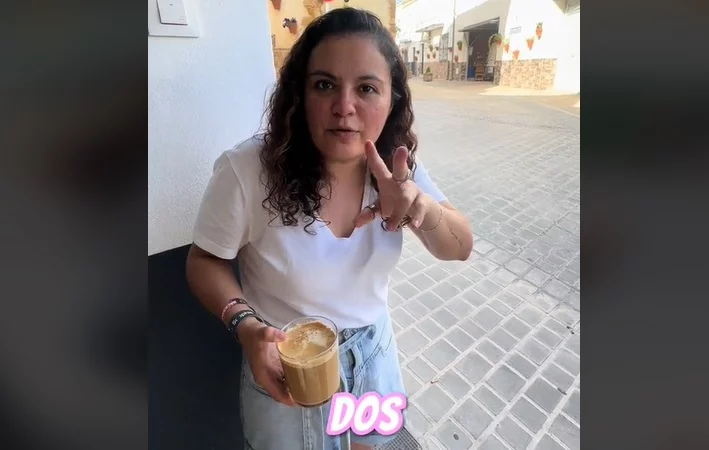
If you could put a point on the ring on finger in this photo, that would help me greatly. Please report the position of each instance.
(406, 178)
(405, 221)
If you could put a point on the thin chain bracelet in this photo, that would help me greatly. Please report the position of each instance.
(438, 222)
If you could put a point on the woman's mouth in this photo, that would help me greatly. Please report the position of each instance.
(343, 133)
(342, 130)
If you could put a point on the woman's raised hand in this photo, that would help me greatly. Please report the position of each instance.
(399, 197)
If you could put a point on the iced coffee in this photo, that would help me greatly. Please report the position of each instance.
(309, 356)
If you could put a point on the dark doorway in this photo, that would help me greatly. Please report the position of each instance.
(477, 36)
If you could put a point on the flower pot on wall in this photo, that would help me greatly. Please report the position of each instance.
(538, 30)
(455, 58)
(434, 55)
(291, 24)
(515, 54)
(530, 43)
(276, 4)
(460, 45)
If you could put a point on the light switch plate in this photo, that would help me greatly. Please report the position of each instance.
(172, 12)
(157, 28)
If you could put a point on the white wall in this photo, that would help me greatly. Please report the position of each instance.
(568, 66)
(526, 14)
(204, 95)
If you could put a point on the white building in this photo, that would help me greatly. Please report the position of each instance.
(539, 40)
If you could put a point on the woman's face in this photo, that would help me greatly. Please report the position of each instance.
(347, 96)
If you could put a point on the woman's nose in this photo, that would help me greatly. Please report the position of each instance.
(344, 103)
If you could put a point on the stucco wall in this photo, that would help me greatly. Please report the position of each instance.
(201, 101)
(305, 11)
(525, 14)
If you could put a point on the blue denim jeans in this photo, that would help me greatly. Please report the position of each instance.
(368, 363)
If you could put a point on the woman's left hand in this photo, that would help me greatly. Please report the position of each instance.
(399, 197)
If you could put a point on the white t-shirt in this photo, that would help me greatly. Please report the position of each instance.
(286, 272)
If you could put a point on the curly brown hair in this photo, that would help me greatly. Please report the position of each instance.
(293, 168)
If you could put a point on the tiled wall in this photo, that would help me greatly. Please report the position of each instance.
(527, 74)
(462, 70)
(439, 69)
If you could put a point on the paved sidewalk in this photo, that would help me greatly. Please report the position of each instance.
(569, 103)
(490, 347)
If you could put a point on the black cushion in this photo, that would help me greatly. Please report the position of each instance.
(194, 366)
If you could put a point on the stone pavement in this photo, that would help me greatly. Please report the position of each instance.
(490, 347)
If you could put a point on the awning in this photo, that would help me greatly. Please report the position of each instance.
(491, 25)
(435, 26)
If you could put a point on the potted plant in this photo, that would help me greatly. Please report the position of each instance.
(291, 24)
(515, 54)
(430, 47)
(455, 58)
(506, 45)
(494, 39)
(428, 56)
(538, 30)
(460, 45)
(276, 4)
(530, 42)
(434, 55)
(428, 76)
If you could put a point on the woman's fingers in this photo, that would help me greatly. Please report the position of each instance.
(417, 211)
(393, 206)
(368, 214)
(398, 214)
(376, 163)
(400, 167)
(277, 389)
(271, 334)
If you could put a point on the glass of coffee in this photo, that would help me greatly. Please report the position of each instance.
(309, 356)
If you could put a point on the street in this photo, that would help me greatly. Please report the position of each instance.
(490, 347)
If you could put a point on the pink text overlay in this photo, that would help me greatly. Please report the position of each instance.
(370, 412)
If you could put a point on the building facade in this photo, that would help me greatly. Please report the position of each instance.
(288, 18)
(424, 36)
(532, 44)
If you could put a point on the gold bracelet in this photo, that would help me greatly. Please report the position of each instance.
(438, 222)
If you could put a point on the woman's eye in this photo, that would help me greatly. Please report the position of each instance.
(368, 89)
(323, 85)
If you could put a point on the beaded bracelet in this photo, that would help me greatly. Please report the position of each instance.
(235, 301)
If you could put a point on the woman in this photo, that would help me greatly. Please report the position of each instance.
(313, 209)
